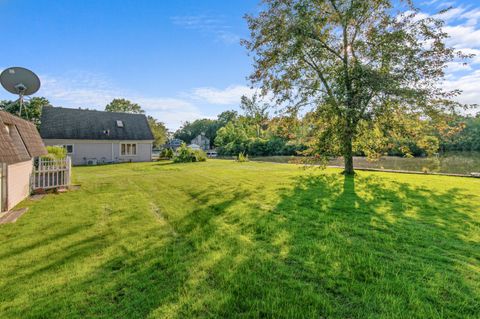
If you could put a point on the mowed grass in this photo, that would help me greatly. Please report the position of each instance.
(226, 239)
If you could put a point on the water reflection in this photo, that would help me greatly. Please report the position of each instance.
(453, 163)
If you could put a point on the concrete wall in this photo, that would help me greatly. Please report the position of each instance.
(18, 182)
(103, 151)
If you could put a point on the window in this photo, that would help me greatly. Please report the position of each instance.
(119, 123)
(127, 149)
(69, 148)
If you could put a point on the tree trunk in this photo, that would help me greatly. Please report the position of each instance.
(348, 153)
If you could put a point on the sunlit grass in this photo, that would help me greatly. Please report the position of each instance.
(226, 239)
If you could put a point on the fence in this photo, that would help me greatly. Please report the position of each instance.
(51, 173)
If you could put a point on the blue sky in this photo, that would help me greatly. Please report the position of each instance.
(180, 60)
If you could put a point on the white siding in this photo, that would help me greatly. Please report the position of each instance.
(18, 182)
(103, 151)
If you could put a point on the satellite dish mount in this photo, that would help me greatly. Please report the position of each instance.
(20, 81)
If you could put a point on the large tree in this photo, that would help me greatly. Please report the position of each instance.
(159, 131)
(255, 112)
(123, 105)
(354, 63)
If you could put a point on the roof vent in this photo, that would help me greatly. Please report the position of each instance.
(119, 123)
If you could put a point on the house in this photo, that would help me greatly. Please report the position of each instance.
(194, 147)
(173, 144)
(20, 143)
(95, 137)
(202, 141)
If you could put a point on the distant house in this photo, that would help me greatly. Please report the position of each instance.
(194, 146)
(19, 144)
(202, 141)
(173, 143)
(95, 137)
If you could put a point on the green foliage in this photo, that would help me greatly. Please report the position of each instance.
(209, 127)
(188, 155)
(55, 152)
(231, 139)
(199, 155)
(166, 153)
(124, 106)
(225, 117)
(467, 139)
(245, 135)
(242, 158)
(256, 240)
(159, 131)
(430, 144)
(31, 111)
(190, 130)
(351, 62)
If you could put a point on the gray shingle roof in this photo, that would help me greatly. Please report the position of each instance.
(20, 141)
(64, 123)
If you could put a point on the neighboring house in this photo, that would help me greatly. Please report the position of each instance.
(19, 144)
(194, 147)
(95, 137)
(173, 143)
(202, 141)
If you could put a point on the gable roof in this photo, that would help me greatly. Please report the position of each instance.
(76, 124)
(19, 139)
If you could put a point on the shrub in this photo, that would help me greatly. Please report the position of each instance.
(55, 152)
(200, 156)
(242, 158)
(166, 153)
(169, 153)
(187, 155)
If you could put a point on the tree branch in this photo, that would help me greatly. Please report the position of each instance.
(322, 78)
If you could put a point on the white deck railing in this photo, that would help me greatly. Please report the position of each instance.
(51, 173)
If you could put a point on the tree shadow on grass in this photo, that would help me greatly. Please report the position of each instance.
(331, 246)
(379, 248)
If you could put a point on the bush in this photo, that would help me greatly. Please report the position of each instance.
(55, 152)
(200, 156)
(242, 158)
(166, 153)
(187, 155)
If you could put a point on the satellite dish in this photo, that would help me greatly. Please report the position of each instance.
(21, 81)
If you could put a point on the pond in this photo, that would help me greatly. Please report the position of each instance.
(451, 163)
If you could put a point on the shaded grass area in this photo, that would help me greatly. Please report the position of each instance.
(227, 239)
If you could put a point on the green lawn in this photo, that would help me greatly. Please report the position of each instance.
(226, 239)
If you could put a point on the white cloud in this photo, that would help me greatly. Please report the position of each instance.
(463, 29)
(469, 86)
(93, 91)
(215, 26)
(463, 36)
(228, 96)
(453, 67)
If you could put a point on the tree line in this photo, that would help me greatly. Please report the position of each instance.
(256, 133)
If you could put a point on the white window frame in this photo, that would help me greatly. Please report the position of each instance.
(126, 154)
